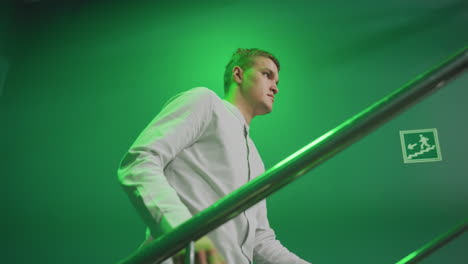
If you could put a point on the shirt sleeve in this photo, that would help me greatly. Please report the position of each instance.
(141, 172)
(268, 250)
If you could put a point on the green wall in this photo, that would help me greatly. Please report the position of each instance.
(84, 79)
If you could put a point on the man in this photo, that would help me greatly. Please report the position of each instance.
(196, 151)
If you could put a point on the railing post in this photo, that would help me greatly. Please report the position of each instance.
(190, 253)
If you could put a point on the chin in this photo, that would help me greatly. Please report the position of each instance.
(267, 110)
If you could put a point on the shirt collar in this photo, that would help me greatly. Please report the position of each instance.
(233, 109)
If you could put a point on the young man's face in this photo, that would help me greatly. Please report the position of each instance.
(260, 85)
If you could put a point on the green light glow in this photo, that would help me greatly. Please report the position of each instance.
(331, 132)
(299, 152)
(407, 258)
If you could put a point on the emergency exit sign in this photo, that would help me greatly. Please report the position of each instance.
(420, 145)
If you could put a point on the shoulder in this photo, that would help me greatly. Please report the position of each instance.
(197, 94)
(202, 93)
(196, 99)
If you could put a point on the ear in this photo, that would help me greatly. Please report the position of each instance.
(237, 74)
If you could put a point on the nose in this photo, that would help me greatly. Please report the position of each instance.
(274, 88)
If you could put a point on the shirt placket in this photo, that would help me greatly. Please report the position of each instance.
(246, 134)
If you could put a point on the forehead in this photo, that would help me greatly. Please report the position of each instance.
(265, 63)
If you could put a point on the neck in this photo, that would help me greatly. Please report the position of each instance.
(236, 98)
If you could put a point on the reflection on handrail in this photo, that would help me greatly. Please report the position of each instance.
(302, 161)
(434, 245)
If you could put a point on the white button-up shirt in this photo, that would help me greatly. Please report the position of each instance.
(194, 152)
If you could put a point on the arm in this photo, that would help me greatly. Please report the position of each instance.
(141, 172)
(268, 250)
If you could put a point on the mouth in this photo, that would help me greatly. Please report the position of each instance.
(272, 97)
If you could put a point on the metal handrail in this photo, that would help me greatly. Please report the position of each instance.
(435, 244)
(301, 161)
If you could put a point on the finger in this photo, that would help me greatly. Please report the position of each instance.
(214, 257)
(213, 260)
(201, 257)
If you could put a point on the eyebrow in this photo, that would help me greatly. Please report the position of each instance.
(271, 72)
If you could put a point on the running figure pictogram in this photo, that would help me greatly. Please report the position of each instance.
(423, 141)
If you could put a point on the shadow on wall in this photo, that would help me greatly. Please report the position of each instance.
(4, 65)
(373, 42)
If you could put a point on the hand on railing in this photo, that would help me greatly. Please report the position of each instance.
(205, 253)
